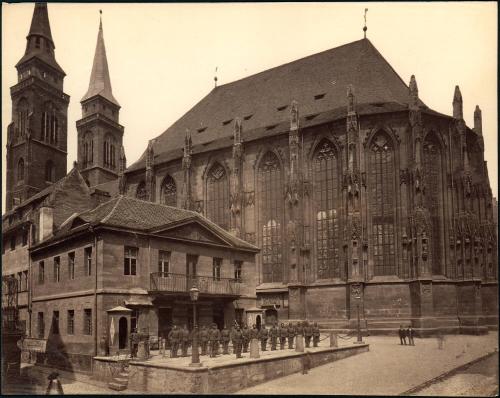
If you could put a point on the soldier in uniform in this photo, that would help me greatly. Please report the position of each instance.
(174, 339)
(291, 335)
(225, 337)
(184, 341)
(273, 334)
(263, 336)
(316, 334)
(254, 332)
(134, 344)
(246, 338)
(308, 333)
(283, 334)
(299, 329)
(213, 338)
(203, 340)
(237, 339)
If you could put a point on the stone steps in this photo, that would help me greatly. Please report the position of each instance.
(120, 382)
(117, 386)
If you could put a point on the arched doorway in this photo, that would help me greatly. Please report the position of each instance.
(122, 333)
(271, 316)
(258, 321)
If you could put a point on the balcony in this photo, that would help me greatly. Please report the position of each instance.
(181, 283)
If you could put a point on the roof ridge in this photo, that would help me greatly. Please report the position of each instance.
(105, 219)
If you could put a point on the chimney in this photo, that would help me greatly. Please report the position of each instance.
(46, 223)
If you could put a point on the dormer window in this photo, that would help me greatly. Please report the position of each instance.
(282, 108)
(226, 122)
(271, 127)
(37, 42)
(201, 129)
(319, 96)
(248, 117)
(311, 117)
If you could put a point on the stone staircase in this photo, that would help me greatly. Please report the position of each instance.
(120, 382)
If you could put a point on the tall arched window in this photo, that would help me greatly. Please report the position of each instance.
(50, 171)
(109, 152)
(88, 150)
(326, 181)
(382, 204)
(270, 189)
(218, 196)
(141, 191)
(20, 170)
(169, 191)
(22, 117)
(50, 124)
(433, 174)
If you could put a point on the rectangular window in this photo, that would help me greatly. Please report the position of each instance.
(237, 270)
(25, 280)
(71, 265)
(25, 237)
(130, 261)
(41, 325)
(13, 243)
(41, 273)
(216, 268)
(55, 322)
(87, 321)
(71, 322)
(163, 263)
(88, 261)
(57, 269)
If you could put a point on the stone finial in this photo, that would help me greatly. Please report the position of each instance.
(237, 130)
(457, 104)
(123, 160)
(187, 143)
(351, 105)
(294, 116)
(150, 155)
(413, 91)
(478, 121)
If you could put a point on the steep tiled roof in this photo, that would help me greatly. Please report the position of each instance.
(110, 187)
(318, 82)
(140, 215)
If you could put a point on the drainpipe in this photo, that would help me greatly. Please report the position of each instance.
(30, 279)
(91, 229)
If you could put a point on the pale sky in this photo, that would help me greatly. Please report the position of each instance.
(162, 57)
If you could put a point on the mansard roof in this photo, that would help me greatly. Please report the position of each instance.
(133, 214)
(318, 82)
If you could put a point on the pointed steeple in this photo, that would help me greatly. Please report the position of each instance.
(40, 25)
(457, 104)
(100, 82)
(478, 121)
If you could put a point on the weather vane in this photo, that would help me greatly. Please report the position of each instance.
(365, 28)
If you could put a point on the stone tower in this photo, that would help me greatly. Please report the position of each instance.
(37, 136)
(100, 135)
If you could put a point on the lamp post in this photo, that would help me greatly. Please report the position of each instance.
(359, 339)
(195, 357)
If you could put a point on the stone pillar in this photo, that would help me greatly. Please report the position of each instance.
(254, 348)
(296, 301)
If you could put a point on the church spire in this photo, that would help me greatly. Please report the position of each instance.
(100, 82)
(40, 25)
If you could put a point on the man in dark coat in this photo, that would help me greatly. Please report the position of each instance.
(203, 340)
(214, 338)
(402, 335)
(225, 337)
(254, 332)
(308, 334)
(283, 334)
(134, 343)
(291, 335)
(246, 338)
(316, 334)
(273, 334)
(263, 336)
(237, 339)
(174, 338)
(184, 341)
(409, 333)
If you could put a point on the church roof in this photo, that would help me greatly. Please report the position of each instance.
(317, 82)
(100, 82)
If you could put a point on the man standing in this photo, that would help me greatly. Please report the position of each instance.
(409, 333)
(283, 334)
(308, 333)
(316, 334)
(134, 344)
(203, 340)
(402, 335)
(291, 335)
(225, 336)
(237, 339)
(246, 338)
(184, 341)
(174, 338)
(273, 334)
(263, 335)
(214, 338)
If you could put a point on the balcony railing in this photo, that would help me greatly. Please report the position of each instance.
(170, 282)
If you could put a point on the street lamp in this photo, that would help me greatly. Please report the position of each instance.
(195, 357)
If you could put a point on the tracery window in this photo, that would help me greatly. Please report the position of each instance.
(169, 191)
(50, 125)
(325, 173)
(141, 191)
(109, 152)
(382, 204)
(218, 196)
(22, 117)
(270, 184)
(433, 197)
(88, 150)
(20, 170)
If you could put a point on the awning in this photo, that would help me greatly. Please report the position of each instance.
(139, 301)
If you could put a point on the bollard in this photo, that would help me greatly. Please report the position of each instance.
(254, 348)
(299, 343)
(333, 340)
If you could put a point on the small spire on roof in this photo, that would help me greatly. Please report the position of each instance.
(457, 104)
(215, 77)
(365, 28)
(478, 122)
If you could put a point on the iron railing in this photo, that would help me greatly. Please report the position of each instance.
(170, 282)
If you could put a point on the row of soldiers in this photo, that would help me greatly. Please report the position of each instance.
(210, 338)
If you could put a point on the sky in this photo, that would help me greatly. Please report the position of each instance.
(162, 57)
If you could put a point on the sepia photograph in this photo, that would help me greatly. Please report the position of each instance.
(278, 198)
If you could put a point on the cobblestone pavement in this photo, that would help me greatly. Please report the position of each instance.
(478, 380)
(387, 369)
